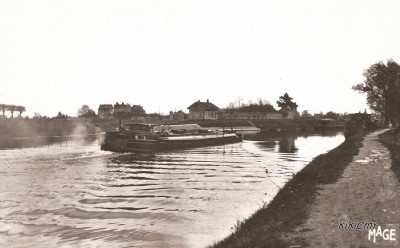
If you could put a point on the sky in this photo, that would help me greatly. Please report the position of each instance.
(165, 55)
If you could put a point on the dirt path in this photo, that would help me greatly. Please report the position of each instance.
(367, 191)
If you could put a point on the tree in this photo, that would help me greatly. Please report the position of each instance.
(382, 93)
(3, 108)
(86, 111)
(90, 113)
(231, 105)
(83, 110)
(263, 102)
(332, 115)
(12, 109)
(286, 104)
(239, 102)
(20, 109)
(396, 93)
(61, 116)
(253, 106)
(266, 108)
(305, 114)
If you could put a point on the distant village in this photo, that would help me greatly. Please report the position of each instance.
(199, 110)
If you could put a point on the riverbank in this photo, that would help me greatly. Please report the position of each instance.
(290, 208)
(368, 191)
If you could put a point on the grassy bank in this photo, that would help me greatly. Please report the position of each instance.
(391, 140)
(289, 208)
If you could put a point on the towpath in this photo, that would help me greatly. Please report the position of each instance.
(368, 191)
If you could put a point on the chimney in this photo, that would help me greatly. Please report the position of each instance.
(207, 101)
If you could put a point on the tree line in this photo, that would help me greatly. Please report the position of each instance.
(11, 108)
(284, 102)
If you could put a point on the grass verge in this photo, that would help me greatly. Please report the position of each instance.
(391, 140)
(291, 205)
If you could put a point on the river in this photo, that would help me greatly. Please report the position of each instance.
(72, 194)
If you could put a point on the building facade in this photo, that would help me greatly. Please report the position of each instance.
(105, 111)
(118, 108)
(203, 111)
(138, 113)
(122, 110)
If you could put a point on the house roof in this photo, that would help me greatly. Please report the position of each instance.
(204, 105)
(105, 106)
(137, 108)
(122, 106)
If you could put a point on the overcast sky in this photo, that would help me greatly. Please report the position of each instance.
(164, 55)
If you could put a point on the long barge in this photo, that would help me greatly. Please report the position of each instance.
(153, 138)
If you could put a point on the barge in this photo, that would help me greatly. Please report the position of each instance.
(153, 138)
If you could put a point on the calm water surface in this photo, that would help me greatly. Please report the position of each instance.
(72, 194)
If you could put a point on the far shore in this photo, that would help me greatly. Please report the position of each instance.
(21, 127)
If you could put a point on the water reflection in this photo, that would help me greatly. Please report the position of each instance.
(286, 145)
(283, 142)
(80, 196)
(130, 157)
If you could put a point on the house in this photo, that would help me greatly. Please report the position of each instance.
(105, 111)
(203, 111)
(138, 113)
(122, 107)
(122, 110)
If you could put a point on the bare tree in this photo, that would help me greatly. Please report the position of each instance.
(239, 102)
